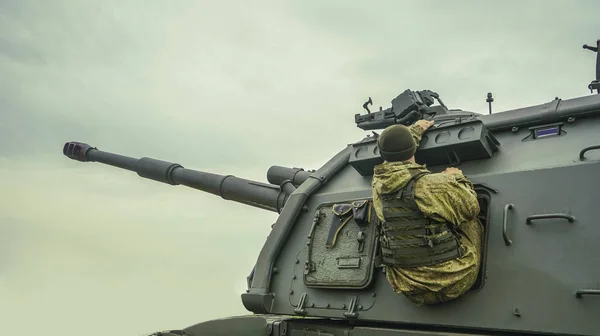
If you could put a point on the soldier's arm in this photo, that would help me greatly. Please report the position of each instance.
(417, 129)
(447, 197)
(417, 133)
(465, 182)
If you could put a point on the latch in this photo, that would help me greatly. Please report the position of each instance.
(351, 312)
(361, 241)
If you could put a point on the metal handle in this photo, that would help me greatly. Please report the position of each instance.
(583, 151)
(570, 218)
(507, 240)
(582, 292)
(404, 119)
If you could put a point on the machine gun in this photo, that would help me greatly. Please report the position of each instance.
(407, 107)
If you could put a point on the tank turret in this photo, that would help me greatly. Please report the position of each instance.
(535, 170)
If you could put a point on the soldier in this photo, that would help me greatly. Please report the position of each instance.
(430, 234)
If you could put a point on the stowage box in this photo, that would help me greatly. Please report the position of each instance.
(448, 146)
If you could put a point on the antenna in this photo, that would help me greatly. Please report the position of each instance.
(367, 103)
(489, 100)
(595, 84)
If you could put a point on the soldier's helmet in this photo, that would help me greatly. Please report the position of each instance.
(396, 143)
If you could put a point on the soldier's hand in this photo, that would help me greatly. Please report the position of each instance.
(453, 170)
(425, 124)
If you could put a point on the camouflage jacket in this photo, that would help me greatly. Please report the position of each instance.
(442, 197)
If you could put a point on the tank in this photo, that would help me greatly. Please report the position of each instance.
(536, 171)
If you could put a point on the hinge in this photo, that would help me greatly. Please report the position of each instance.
(277, 328)
(351, 312)
(300, 309)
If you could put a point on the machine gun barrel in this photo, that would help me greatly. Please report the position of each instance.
(256, 194)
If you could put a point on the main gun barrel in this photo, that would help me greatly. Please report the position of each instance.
(256, 194)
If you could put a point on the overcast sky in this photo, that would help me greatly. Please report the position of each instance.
(226, 87)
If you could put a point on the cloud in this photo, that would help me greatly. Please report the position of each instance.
(230, 88)
(463, 49)
(121, 76)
